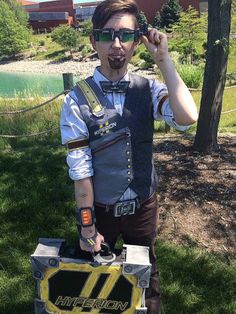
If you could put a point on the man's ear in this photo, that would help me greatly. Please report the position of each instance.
(93, 42)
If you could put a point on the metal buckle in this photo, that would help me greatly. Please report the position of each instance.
(124, 208)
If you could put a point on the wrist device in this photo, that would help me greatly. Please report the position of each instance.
(85, 216)
(89, 241)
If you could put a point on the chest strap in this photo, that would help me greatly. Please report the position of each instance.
(92, 99)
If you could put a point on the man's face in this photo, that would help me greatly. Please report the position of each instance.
(116, 54)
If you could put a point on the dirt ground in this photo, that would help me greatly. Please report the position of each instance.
(197, 194)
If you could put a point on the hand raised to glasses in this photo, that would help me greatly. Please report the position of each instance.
(156, 43)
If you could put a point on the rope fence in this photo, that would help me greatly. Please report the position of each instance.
(24, 110)
(68, 83)
(199, 89)
(34, 107)
(232, 110)
(29, 135)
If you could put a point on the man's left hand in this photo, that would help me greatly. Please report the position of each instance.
(156, 43)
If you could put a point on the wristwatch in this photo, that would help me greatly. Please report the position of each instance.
(89, 241)
(85, 216)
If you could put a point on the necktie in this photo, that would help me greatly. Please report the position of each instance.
(109, 87)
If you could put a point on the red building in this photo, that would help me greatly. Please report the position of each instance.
(150, 7)
(50, 14)
(29, 5)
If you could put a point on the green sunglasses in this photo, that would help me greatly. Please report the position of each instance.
(109, 34)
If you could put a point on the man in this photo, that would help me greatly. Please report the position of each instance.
(110, 156)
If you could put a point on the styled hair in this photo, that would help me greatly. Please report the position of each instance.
(106, 9)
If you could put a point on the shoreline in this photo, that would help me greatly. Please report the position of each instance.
(82, 69)
(49, 67)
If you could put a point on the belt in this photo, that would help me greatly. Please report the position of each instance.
(111, 207)
(138, 203)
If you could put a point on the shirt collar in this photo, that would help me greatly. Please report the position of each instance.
(98, 76)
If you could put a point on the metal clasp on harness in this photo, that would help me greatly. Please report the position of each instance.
(124, 208)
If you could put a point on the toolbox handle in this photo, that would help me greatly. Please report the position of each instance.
(105, 255)
(105, 249)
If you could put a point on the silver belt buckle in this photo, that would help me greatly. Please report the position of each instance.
(124, 208)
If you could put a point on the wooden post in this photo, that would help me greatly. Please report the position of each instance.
(68, 81)
(167, 128)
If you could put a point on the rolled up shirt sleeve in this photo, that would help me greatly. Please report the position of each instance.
(74, 128)
(159, 92)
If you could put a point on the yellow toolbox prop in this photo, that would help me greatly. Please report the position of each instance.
(67, 284)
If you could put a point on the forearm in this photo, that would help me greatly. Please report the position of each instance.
(84, 198)
(181, 100)
(84, 192)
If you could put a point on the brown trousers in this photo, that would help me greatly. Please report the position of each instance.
(137, 229)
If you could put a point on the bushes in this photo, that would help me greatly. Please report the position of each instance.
(191, 74)
(66, 36)
(14, 35)
(86, 28)
(147, 58)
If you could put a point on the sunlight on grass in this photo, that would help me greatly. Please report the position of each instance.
(37, 200)
(193, 281)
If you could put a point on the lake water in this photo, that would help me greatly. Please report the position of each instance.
(29, 84)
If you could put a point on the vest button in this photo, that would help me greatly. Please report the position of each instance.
(129, 172)
(129, 179)
(128, 152)
(129, 160)
(127, 143)
(129, 166)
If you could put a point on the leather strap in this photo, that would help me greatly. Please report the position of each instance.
(91, 98)
(111, 207)
(138, 203)
(161, 102)
(77, 144)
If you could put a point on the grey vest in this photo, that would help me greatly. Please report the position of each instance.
(121, 146)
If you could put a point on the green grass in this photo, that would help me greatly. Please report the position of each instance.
(195, 282)
(37, 200)
(227, 121)
(47, 117)
(39, 120)
(53, 51)
(232, 57)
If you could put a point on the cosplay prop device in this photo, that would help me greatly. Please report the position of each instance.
(70, 283)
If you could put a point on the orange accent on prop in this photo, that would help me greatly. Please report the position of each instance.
(86, 217)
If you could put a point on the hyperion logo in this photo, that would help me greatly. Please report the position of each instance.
(105, 128)
(91, 303)
(106, 292)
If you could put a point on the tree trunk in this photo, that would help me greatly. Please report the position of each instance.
(214, 76)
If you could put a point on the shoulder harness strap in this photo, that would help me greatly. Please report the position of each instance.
(91, 98)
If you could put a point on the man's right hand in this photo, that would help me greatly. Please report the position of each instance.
(89, 232)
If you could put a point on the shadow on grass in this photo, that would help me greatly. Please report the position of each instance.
(58, 56)
(37, 201)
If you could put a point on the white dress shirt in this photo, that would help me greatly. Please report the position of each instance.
(74, 128)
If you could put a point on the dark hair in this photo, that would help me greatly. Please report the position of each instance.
(106, 9)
